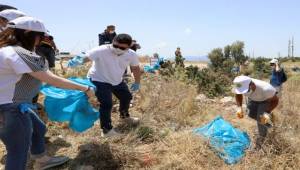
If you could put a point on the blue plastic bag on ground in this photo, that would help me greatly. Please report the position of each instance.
(229, 143)
(70, 105)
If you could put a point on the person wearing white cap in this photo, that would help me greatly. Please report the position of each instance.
(262, 100)
(8, 15)
(278, 76)
(21, 74)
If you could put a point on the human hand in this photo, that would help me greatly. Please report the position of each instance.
(135, 87)
(240, 113)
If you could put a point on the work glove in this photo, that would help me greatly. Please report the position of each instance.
(266, 119)
(135, 87)
(240, 113)
(25, 107)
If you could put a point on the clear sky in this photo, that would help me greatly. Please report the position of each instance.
(197, 26)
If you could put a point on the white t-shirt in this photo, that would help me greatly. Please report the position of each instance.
(12, 67)
(107, 67)
(262, 92)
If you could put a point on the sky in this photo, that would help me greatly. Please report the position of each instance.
(197, 26)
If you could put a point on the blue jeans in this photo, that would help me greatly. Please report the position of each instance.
(20, 132)
(104, 93)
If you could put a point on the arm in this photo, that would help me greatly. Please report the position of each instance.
(277, 69)
(273, 103)
(239, 99)
(53, 45)
(136, 73)
(52, 79)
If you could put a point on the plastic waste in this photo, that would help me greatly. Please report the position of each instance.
(70, 106)
(228, 142)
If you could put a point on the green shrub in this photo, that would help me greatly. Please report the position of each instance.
(261, 67)
(208, 81)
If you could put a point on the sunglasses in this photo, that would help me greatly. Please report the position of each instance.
(272, 64)
(121, 48)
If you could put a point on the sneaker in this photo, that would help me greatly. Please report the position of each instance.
(111, 133)
(131, 120)
(48, 162)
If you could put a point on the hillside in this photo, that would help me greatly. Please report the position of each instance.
(170, 110)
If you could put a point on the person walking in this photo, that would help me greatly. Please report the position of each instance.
(108, 66)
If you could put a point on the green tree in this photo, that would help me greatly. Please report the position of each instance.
(237, 52)
(217, 58)
(227, 52)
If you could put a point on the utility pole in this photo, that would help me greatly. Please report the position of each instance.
(289, 48)
(292, 47)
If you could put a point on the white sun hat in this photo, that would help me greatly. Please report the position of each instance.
(11, 14)
(274, 61)
(27, 23)
(241, 84)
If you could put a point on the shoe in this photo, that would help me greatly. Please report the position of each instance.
(111, 133)
(131, 120)
(48, 162)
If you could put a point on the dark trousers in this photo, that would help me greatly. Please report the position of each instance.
(255, 110)
(104, 93)
(20, 132)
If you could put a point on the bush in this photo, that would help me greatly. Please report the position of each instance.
(261, 67)
(209, 82)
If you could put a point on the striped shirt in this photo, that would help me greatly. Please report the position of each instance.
(16, 84)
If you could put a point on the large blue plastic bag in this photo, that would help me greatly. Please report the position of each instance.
(228, 142)
(70, 105)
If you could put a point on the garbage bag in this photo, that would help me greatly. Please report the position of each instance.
(71, 106)
(228, 142)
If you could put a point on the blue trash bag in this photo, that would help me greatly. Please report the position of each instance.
(149, 69)
(228, 142)
(71, 106)
(76, 61)
(153, 68)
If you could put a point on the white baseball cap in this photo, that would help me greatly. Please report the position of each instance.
(27, 23)
(241, 84)
(274, 61)
(11, 14)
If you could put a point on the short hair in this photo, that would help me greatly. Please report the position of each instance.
(123, 39)
(110, 26)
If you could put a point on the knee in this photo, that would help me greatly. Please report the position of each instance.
(127, 96)
(106, 104)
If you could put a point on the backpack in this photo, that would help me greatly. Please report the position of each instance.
(284, 77)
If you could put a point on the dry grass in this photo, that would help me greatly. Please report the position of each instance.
(163, 140)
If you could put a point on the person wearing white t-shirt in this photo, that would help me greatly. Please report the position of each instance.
(262, 100)
(21, 74)
(109, 63)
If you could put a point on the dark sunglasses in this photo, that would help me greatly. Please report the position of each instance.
(121, 48)
(272, 64)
